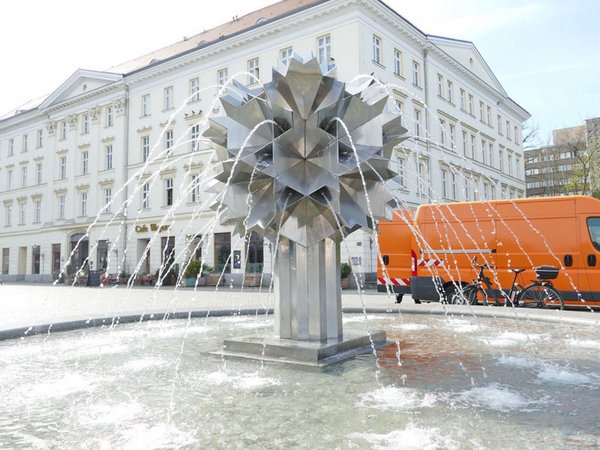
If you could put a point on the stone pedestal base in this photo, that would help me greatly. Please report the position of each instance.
(307, 353)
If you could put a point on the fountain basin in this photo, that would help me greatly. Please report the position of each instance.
(450, 381)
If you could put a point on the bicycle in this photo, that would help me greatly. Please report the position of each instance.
(474, 293)
(541, 293)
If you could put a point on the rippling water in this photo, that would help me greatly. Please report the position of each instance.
(441, 382)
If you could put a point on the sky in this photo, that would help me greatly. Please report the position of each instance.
(546, 53)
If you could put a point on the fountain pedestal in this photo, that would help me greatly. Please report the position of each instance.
(308, 311)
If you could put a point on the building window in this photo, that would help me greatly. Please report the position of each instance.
(11, 147)
(108, 157)
(401, 169)
(507, 129)
(376, 49)
(63, 130)
(510, 165)
(499, 124)
(463, 100)
(22, 213)
(417, 123)
(9, 176)
(444, 174)
(453, 185)
(450, 90)
(486, 191)
(443, 132)
(255, 256)
(169, 101)
(38, 173)
(107, 199)
(37, 211)
(5, 260)
(400, 109)
(285, 55)
(145, 148)
(483, 151)
(109, 116)
(8, 215)
(464, 142)
(473, 145)
(253, 71)
(25, 144)
(491, 153)
(501, 160)
(516, 134)
(518, 167)
(146, 195)
(85, 163)
(471, 106)
(83, 204)
(24, 176)
(167, 252)
(415, 73)
(194, 89)
(222, 77)
(195, 188)
(62, 165)
(169, 143)
(324, 49)
(169, 192)
(85, 124)
(440, 86)
(222, 252)
(61, 206)
(39, 139)
(35, 259)
(397, 62)
(467, 193)
(145, 105)
(195, 135)
(489, 116)
(481, 110)
(452, 130)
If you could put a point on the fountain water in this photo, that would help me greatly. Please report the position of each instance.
(315, 172)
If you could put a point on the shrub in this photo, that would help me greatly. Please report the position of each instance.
(345, 270)
(193, 269)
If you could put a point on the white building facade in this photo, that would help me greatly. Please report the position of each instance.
(110, 170)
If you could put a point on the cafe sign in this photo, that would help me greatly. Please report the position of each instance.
(151, 227)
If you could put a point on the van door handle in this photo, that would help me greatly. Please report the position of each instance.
(591, 260)
(568, 259)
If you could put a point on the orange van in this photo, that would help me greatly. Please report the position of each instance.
(520, 233)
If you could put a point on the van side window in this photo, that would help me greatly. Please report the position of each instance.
(594, 229)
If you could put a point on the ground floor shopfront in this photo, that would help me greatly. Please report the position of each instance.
(148, 250)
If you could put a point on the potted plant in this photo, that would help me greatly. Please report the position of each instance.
(345, 271)
(253, 276)
(191, 273)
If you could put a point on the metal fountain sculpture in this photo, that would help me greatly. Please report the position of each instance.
(303, 162)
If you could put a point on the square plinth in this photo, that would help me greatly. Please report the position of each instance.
(307, 353)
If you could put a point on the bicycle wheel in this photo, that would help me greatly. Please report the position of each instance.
(467, 295)
(478, 296)
(540, 296)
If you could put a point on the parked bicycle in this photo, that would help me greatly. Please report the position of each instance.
(540, 293)
(477, 292)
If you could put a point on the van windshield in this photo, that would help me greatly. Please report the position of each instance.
(594, 228)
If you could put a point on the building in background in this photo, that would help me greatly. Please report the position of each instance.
(569, 166)
(109, 170)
